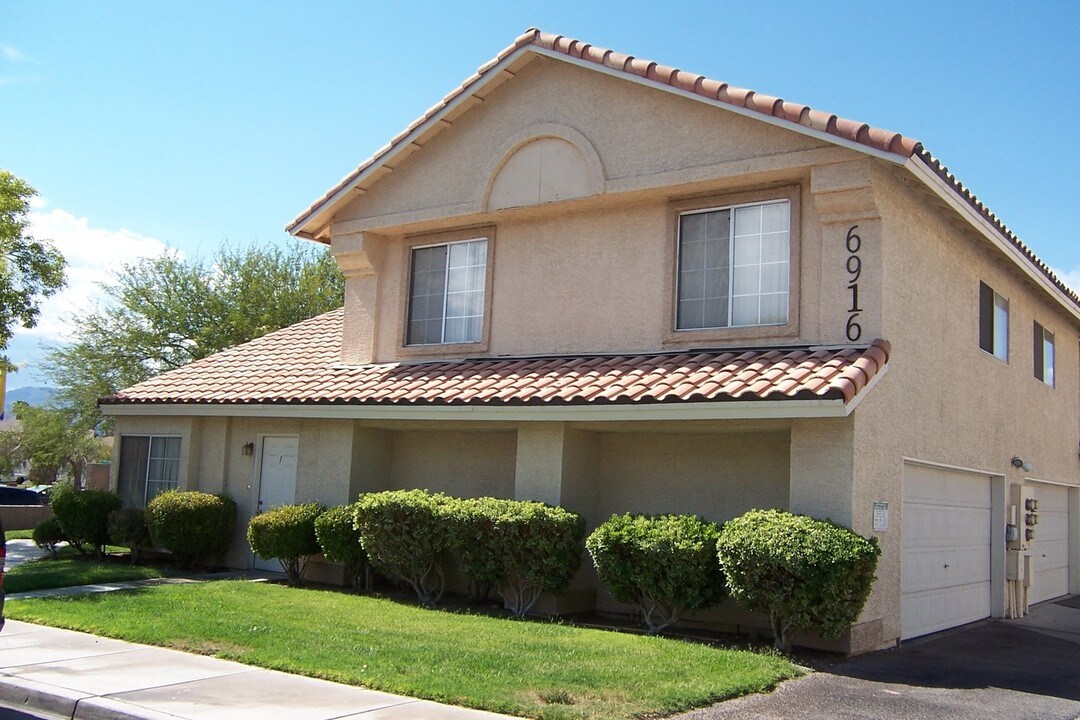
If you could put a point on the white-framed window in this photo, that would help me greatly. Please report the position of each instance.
(149, 465)
(1044, 354)
(734, 266)
(446, 293)
(993, 322)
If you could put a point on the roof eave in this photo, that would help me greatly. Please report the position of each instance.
(311, 223)
(952, 197)
(722, 410)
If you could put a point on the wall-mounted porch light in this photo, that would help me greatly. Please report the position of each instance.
(248, 448)
(1018, 463)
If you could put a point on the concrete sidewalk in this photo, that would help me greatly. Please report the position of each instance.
(64, 674)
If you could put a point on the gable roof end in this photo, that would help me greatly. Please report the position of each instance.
(851, 133)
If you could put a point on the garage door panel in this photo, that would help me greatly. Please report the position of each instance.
(1050, 551)
(945, 575)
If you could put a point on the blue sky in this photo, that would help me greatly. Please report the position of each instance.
(190, 125)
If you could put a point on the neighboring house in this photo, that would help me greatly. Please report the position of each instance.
(596, 281)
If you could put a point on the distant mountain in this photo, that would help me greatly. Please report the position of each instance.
(29, 395)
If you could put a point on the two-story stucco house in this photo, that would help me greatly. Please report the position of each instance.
(596, 281)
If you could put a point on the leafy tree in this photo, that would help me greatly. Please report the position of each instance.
(29, 269)
(164, 312)
(53, 441)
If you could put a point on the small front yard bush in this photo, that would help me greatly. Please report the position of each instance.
(47, 535)
(127, 528)
(663, 564)
(405, 533)
(526, 547)
(84, 516)
(288, 534)
(191, 525)
(340, 543)
(807, 574)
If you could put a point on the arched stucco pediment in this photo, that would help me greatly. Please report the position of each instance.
(544, 164)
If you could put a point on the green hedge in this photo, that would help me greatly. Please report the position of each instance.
(525, 547)
(84, 516)
(288, 534)
(663, 564)
(127, 528)
(191, 525)
(405, 534)
(47, 535)
(340, 543)
(807, 574)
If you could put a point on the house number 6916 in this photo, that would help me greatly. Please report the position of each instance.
(854, 268)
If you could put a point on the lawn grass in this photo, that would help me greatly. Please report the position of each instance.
(535, 669)
(19, 534)
(72, 569)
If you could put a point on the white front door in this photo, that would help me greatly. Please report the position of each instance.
(277, 481)
(1050, 549)
(945, 570)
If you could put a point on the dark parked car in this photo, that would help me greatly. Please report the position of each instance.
(20, 496)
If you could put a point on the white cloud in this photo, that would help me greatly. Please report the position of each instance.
(13, 54)
(92, 254)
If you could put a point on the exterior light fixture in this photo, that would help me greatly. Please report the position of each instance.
(249, 449)
(1021, 464)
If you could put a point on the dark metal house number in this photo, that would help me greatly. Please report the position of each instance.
(854, 268)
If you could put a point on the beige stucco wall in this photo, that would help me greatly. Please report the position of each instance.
(717, 475)
(462, 464)
(607, 261)
(943, 399)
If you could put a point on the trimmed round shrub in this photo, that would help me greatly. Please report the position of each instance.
(664, 565)
(191, 525)
(526, 547)
(84, 516)
(47, 535)
(405, 533)
(127, 528)
(340, 543)
(807, 574)
(288, 534)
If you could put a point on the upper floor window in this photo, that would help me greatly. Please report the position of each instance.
(446, 293)
(993, 322)
(1044, 355)
(733, 266)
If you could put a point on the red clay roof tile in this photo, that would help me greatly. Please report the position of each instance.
(301, 365)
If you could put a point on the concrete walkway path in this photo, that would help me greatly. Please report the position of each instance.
(59, 673)
(20, 551)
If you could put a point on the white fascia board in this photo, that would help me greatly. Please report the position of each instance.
(733, 410)
(866, 389)
(300, 225)
(753, 114)
(948, 194)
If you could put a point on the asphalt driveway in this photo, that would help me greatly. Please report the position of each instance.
(1020, 670)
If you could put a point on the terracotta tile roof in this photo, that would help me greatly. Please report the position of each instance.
(795, 113)
(300, 365)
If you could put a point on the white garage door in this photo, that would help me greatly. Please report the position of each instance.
(1050, 551)
(945, 575)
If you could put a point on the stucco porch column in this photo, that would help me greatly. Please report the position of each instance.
(559, 466)
(822, 468)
